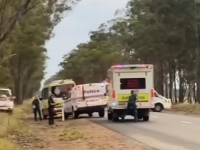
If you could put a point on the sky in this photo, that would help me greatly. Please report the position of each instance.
(87, 16)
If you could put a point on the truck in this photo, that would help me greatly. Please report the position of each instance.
(123, 79)
(86, 99)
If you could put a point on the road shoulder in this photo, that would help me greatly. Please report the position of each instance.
(73, 135)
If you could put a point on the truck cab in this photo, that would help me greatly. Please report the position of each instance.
(123, 79)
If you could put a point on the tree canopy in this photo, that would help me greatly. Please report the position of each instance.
(25, 26)
(163, 33)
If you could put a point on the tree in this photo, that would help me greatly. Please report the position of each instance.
(25, 70)
(13, 12)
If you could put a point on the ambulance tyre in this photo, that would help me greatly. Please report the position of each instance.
(146, 118)
(101, 113)
(74, 114)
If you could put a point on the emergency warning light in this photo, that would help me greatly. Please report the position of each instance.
(132, 66)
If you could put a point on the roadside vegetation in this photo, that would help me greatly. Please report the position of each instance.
(187, 108)
(12, 125)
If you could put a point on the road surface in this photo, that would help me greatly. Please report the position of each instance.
(164, 131)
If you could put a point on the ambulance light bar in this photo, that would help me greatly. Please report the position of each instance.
(132, 66)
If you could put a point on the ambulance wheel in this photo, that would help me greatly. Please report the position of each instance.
(158, 107)
(101, 113)
(75, 114)
(146, 118)
(109, 115)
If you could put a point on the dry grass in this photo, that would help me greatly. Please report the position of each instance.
(10, 123)
(188, 108)
(71, 134)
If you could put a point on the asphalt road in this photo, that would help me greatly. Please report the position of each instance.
(164, 131)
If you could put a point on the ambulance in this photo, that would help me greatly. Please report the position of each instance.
(86, 99)
(123, 79)
(59, 88)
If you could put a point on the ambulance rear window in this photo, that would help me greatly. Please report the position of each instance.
(132, 83)
(61, 90)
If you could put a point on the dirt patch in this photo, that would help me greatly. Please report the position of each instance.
(73, 135)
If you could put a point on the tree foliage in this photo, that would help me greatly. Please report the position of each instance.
(25, 27)
(153, 31)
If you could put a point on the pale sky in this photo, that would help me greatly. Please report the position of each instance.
(74, 29)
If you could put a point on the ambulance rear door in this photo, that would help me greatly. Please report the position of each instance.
(94, 94)
(132, 78)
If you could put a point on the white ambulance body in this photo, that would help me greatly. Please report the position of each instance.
(123, 79)
(86, 98)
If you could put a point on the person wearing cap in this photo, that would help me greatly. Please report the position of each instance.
(51, 106)
(36, 108)
(132, 107)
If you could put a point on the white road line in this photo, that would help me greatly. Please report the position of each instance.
(154, 117)
(186, 122)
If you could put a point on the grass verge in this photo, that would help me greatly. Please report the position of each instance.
(9, 124)
(71, 134)
(188, 108)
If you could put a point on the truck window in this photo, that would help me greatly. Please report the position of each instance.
(132, 83)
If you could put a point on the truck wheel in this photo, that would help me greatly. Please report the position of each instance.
(146, 118)
(90, 114)
(101, 113)
(158, 108)
(109, 116)
(74, 114)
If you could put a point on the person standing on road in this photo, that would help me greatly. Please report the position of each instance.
(51, 109)
(36, 108)
(132, 104)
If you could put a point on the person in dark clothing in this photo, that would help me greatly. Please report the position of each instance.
(51, 109)
(132, 107)
(36, 108)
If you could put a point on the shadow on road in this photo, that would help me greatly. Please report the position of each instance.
(127, 121)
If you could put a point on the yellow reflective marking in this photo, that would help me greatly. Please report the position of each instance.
(142, 97)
